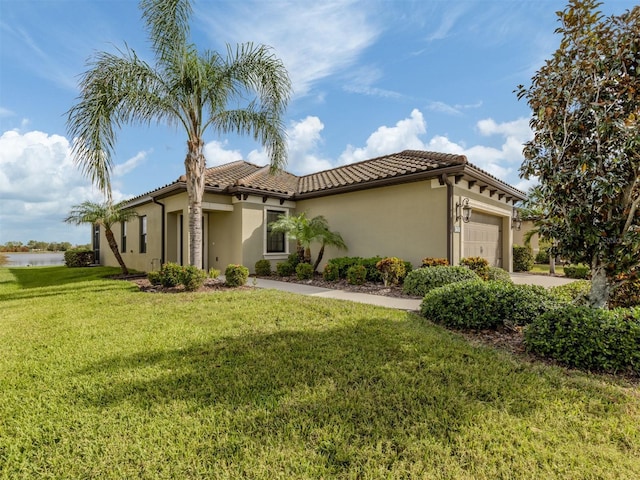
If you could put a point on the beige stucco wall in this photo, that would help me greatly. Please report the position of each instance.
(408, 221)
(518, 236)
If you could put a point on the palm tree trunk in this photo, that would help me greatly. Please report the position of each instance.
(111, 240)
(319, 259)
(195, 169)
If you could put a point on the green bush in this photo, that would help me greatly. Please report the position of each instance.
(477, 264)
(294, 259)
(392, 270)
(522, 258)
(78, 257)
(304, 271)
(576, 293)
(236, 275)
(263, 267)
(170, 274)
(434, 262)
(154, 278)
(481, 305)
(373, 274)
(588, 338)
(343, 264)
(357, 275)
(330, 273)
(419, 282)
(213, 273)
(284, 269)
(192, 277)
(577, 271)
(498, 275)
(542, 256)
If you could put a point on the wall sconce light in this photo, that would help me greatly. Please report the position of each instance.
(463, 210)
(516, 221)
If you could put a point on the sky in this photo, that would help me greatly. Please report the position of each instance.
(369, 77)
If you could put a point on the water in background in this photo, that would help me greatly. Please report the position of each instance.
(34, 259)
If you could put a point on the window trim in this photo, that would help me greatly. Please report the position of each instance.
(285, 253)
(143, 234)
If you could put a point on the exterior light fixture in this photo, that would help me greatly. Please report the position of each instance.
(463, 210)
(516, 221)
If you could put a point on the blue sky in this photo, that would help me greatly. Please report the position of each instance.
(370, 78)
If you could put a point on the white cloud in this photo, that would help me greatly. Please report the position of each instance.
(405, 135)
(216, 153)
(126, 167)
(38, 185)
(304, 140)
(314, 40)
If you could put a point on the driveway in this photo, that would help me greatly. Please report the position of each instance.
(544, 280)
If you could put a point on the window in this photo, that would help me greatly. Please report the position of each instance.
(143, 234)
(123, 237)
(275, 243)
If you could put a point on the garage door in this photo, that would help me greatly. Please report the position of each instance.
(483, 238)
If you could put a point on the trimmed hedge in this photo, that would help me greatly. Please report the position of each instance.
(576, 293)
(263, 268)
(522, 258)
(498, 275)
(577, 271)
(482, 305)
(419, 282)
(79, 258)
(477, 264)
(588, 338)
(304, 271)
(236, 275)
(284, 269)
(357, 275)
(172, 275)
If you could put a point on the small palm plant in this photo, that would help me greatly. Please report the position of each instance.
(104, 214)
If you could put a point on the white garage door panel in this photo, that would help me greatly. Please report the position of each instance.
(484, 240)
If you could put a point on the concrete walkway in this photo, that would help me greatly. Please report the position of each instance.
(409, 304)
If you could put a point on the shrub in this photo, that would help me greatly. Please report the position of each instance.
(522, 258)
(420, 281)
(213, 273)
(170, 274)
(498, 275)
(263, 267)
(330, 273)
(542, 256)
(392, 270)
(284, 269)
(577, 271)
(485, 305)
(343, 264)
(78, 257)
(434, 262)
(236, 275)
(357, 275)
(576, 292)
(304, 271)
(373, 274)
(627, 294)
(294, 259)
(192, 277)
(588, 338)
(477, 264)
(3, 259)
(154, 278)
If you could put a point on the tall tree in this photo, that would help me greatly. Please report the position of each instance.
(307, 231)
(104, 214)
(586, 148)
(195, 90)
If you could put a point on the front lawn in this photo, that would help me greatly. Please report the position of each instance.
(100, 380)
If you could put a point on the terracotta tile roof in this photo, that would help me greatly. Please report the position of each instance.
(408, 165)
(386, 167)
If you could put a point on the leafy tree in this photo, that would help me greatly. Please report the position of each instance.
(307, 231)
(186, 87)
(586, 147)
(104, 214)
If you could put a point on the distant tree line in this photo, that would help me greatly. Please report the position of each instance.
(36, 246)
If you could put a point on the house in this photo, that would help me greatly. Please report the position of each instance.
(411, 204)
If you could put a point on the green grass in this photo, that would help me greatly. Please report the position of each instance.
(544, 268)
(98, 380)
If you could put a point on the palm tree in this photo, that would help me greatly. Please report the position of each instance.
(187, 88)
(104, 214)
(307, 231)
